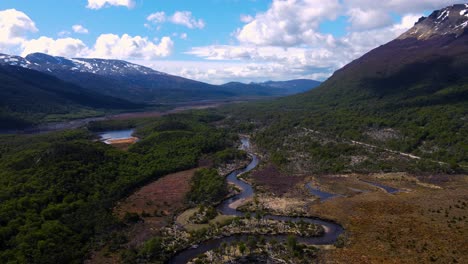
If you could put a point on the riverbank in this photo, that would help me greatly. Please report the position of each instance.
(329, 231)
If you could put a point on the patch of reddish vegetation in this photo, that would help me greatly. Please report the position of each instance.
(156, 203)
(270, 178)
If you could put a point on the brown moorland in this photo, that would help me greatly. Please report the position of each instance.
(270, 179)
(420, 225)
(426, 222)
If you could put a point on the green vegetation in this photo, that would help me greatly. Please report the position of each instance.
(207, 187)
(228, 155)
(203, 215)
(57, 189)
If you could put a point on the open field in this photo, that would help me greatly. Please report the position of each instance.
(421, 225)
(159, 198)
(425, 222)
(270, 179)
(123, 144)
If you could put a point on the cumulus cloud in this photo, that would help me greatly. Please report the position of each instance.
(158, 17)
(112, 46)
(289, 23)
(58, 47)
(184, 18)
(107, 46)
(219, 72)
(98, 4)
(14, 27)
(80, 29)
(318, 61)
(368, 19)
(287, 37)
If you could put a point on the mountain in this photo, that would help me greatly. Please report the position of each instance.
(119, 78)
(415, 86)
(292, 86)
(28, 96)
(138, 83)
(273, 88)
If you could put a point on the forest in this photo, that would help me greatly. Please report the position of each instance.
(57, 189)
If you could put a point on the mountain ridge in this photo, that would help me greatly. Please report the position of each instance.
(138, 83)
(449, 20)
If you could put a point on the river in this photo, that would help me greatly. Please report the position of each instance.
(332, 230)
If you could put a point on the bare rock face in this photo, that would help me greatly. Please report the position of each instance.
(452, 20)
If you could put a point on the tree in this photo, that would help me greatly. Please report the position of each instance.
(242, 247)
(291, 242)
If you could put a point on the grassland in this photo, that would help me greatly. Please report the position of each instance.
(425, 222)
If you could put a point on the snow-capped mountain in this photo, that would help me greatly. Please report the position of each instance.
(452, 20)
(135, 82)
(46, 63)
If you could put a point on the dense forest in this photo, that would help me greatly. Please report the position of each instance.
(57, 189)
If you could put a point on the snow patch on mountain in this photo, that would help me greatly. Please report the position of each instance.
(452, 20)
(46, 63)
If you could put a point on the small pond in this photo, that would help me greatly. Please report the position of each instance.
(115, 134)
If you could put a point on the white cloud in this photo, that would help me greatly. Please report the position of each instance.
(14, 27)
(246, 18)
(64, 33)
(289, 23)
(66, 47)
(112, 46)
(217, 72)
(98, 4)
(183, 18)
(108, 46)
(318, 61)
(80, 29)
(400, 6)
(183, 36)
(158, 17)
(368, 19)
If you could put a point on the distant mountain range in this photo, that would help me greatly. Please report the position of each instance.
(39, 88)
(142, 84)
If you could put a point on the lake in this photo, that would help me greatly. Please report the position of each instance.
(107, 136)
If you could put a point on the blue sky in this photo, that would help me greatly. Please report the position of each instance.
(211, 40)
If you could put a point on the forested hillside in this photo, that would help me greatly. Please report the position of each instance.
(57, 190)
(28, 97)
(410, 95)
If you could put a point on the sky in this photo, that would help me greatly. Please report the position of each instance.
(214, 41)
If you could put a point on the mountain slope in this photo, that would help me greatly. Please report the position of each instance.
(292, 86)
(273, 88)
(415, 86)
(28, 96)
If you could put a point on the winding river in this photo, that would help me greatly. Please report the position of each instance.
(332, 230)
